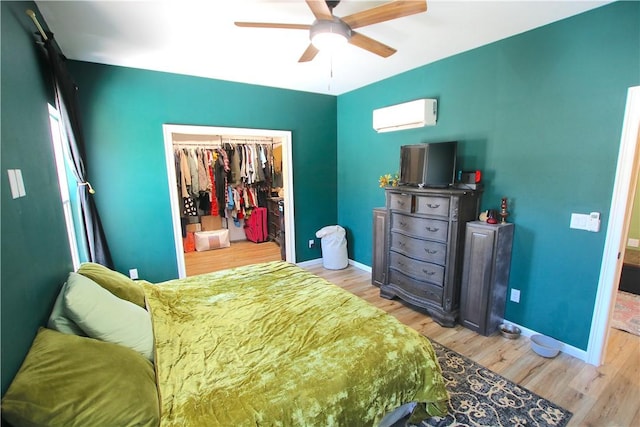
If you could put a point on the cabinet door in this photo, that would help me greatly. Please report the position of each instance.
(378, 268)
(476, 278)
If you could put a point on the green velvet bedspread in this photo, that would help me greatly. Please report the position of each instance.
(272, 344)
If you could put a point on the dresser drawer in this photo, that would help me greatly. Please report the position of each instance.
(431, 205)
(422, 271)
(424, 250)
(426, 228)
(422, 290)
(400, 202)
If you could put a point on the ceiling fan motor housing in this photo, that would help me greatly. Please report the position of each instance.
(334, 26)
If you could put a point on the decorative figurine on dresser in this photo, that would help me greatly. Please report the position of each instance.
(424, 231)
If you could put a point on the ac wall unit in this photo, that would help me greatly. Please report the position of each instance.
(413, 114)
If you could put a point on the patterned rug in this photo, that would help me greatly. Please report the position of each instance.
(626, 315)
(480, 397)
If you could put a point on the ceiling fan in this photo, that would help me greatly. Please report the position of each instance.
(328, 26)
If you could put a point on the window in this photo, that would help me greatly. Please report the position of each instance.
(65, 177)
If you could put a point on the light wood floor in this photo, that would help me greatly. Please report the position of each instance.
(238, 254)
(608, 395)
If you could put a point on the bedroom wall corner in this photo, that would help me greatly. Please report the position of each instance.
(35, 251)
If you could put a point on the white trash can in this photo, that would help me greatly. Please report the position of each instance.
(334, 247)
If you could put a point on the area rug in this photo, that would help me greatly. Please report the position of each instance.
(480, 397)
(626, 314)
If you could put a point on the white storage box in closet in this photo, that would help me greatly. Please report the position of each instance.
(214, 239)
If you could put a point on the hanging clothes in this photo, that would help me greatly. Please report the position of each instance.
(212, 194)
(234, 161)
(185, 174)
(192, 159)
(221, 185)
(228, 180)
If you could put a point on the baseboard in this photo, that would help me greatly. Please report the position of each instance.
(566, 348)
(309, 263)
(359, 265)
(313, 262)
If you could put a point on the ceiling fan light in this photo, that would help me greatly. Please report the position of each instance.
(328, 41)
(329, 35)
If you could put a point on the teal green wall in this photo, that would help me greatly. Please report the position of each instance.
(541, 115)
(35, 252)
(123, 113)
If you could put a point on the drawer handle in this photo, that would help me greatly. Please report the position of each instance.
(400, 202)
(430, 252)
(433, 206)
(402, 244)
(401, 264)
(432, 229)
(402, 223)
(428, 273)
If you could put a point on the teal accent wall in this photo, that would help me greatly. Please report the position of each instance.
(541, 115)
(35, 250)
(123, 113)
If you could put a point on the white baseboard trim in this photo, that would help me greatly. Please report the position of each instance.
(566, 348)
(309, 263)
(313, 262)
(361, 266)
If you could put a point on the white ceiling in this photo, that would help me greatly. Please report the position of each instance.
(198, 38)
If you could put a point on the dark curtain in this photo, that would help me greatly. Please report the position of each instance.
(66, 94)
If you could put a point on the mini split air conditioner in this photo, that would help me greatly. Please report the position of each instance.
(413, 114)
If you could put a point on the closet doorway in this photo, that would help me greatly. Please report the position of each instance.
(182, 136)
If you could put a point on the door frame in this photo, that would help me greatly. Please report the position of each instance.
(617, 229)
(287, 175)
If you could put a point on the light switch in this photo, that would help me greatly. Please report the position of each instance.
(579, 221)
(590, 222)
(16, 183)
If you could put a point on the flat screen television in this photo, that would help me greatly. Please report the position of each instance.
(428, 165)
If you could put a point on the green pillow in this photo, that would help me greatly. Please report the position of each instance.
(59, 321)
(67, 380)
(104, 316)
(116, 283)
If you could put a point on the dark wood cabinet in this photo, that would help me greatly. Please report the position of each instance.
(485, 277)
(424, 236)
(379, 256)
(275, 223)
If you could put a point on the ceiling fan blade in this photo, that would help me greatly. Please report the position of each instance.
(320, 9)
(373, 46)
(271, 25)
(309, 54)
(385, 12)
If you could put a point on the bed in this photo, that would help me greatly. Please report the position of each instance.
(266, 344)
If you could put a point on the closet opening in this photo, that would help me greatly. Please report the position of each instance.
(231, 196)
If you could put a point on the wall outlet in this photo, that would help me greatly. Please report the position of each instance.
(133, 273)
(515, 295)
(633, 243)
(311, 243)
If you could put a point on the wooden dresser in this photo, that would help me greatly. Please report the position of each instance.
(424, 238)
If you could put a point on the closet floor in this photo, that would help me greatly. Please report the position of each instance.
(238, 254)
